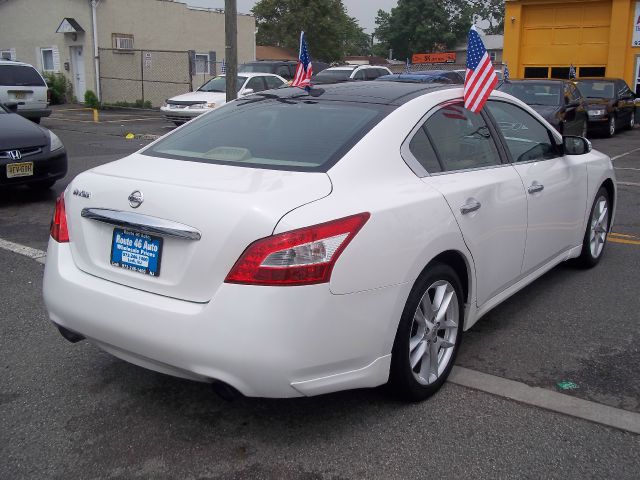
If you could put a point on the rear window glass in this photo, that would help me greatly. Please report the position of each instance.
(286, 134)
(20, 76)
(535, 93)
(597, 89)
(257, 68)
(333, 75)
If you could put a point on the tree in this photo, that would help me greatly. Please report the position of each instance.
(429, 26)
(330, 33)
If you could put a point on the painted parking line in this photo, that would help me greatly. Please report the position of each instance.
(625, 154)
(34, 253)
(614, 234)
(547, 399)
(623, 241)
(627, 168)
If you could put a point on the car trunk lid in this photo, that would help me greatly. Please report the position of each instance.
(227, 207)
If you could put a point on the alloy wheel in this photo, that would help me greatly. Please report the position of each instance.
(599, 226)
(612, 126)
(434, 332)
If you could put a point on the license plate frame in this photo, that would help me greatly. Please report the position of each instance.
(19, 169)
(20, 95)
(136, 252)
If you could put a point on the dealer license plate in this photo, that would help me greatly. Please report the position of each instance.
(22, 169)
(136, 251)
(20, 95)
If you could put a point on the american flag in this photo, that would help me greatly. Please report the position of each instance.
(505, 74)
(304, 70)
(572, 72)
(480, 78)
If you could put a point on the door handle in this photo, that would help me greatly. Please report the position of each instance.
(469, 207)
(535, 188)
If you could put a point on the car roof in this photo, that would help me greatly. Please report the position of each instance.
(383, 93)
(253, 74)
(596, 79)
(544, 81)
(345, 67)
(412, 77)
(14, 62)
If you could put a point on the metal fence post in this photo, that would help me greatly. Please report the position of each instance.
(142, 75)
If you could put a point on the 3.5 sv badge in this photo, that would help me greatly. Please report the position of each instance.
(81, 193)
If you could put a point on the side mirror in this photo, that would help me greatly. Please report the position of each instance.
(246, 91)
(574, 145)
(12, 107)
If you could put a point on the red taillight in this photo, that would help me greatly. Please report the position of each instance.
(300, 257)
(59, 231)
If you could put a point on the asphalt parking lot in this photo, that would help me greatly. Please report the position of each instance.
(72, 411)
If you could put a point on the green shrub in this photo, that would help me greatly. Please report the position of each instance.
(91, 100)
(137, 104)
(60, 86)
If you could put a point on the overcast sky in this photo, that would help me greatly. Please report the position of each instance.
(364, 10)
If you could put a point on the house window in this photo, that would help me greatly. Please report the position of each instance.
(47, 59)
(5, 55)
(202, 60)
(122, 41)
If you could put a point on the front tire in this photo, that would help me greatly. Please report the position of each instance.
(611, 126)
(428, 335)
(595, 237)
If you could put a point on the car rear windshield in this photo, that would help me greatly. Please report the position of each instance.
(534, 93)
(20, 76)
(257, 68)
(281, 134)
(219, 84)
(596, 89)
(333, 75)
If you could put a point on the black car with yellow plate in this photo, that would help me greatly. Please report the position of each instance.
(29, 154)
(610, 102)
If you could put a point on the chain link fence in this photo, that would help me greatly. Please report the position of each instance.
(143, 78)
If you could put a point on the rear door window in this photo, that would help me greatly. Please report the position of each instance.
(273, 82)
(461, 139)
(20, 76)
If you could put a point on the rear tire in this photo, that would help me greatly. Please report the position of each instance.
(428, 335)
(595, 236)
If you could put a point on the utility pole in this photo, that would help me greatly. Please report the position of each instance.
(231, 47)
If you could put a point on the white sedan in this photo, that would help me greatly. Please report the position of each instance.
(300, 243)
(212, 94)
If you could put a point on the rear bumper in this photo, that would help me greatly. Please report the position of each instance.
(34, 113)
(47, 166)
(264, 341)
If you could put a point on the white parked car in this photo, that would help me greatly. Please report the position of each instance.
(298, 244)
(212, 94)
(22, 84)
(345, 73)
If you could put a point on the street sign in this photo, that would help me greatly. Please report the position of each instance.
(442, 57)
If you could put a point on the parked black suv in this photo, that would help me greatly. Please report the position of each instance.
(285, 68)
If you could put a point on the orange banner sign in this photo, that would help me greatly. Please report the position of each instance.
(444, 57)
